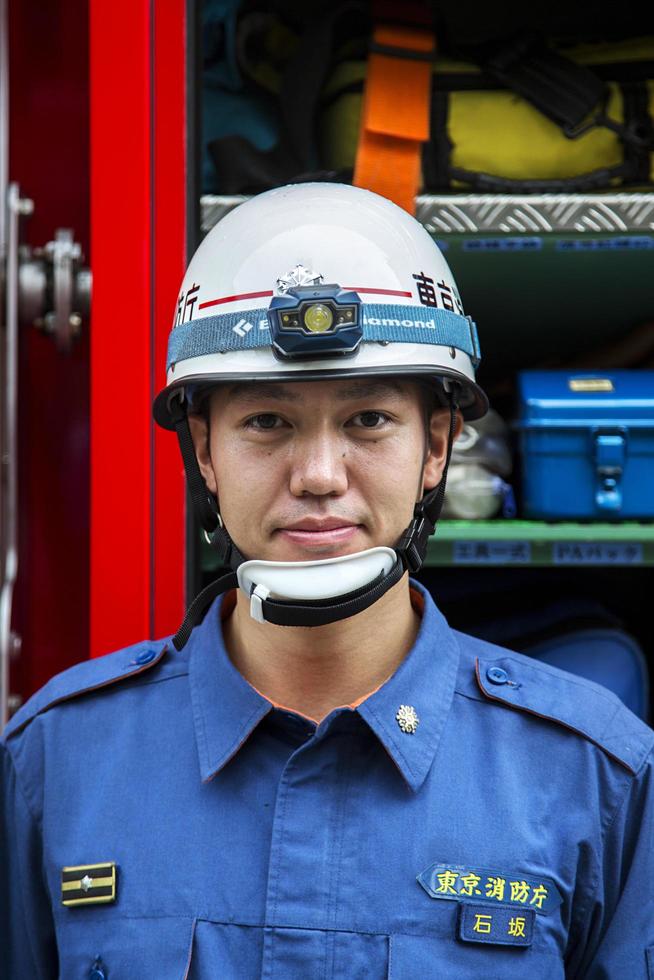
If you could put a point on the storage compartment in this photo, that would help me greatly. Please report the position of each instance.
(557, 281)
(587, 443)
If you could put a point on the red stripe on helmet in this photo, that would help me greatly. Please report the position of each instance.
(381, 292)
(269, 292)
(233, 299)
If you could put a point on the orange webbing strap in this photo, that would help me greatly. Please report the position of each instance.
(395, 113)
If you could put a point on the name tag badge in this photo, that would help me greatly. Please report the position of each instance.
(510, 889)
(495, 925)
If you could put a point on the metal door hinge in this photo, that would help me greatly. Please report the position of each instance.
(54, 289)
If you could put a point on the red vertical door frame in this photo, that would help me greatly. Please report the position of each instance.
(138, 231)
(170, 194)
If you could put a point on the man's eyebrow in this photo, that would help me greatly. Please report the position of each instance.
(372, 389)
(254, 390)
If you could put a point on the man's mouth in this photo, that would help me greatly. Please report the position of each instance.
(311, 531)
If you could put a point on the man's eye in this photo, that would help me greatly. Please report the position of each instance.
(370, 420)
(265, 421)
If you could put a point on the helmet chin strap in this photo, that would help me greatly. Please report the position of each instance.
(303, 593)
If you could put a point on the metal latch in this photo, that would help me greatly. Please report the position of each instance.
(54, 289)
(610, 456)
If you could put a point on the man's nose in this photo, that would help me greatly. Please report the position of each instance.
(319, 466)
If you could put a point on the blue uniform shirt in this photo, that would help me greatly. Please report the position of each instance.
(479, 815)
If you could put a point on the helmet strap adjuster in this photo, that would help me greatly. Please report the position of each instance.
(412, 546)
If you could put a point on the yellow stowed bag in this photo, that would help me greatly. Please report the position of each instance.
(509, 129)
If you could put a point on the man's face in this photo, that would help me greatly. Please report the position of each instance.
(318, 469)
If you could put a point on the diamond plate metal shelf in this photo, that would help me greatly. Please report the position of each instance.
(471, 214)
(556, 213)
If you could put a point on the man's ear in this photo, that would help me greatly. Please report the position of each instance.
(200, 434)
(439, 430)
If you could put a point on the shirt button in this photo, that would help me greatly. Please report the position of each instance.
(496, 675)
(143, 658)
(97, 970)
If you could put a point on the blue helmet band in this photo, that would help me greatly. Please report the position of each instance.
(380, 322)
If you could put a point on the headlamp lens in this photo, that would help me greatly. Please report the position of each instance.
(318, 318)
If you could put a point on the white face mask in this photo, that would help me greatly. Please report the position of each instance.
(311, 580)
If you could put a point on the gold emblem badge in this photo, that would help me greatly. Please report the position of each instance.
(88, 884)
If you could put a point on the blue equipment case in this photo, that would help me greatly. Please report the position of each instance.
(587, 444)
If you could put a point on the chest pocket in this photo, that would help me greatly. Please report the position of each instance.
(175, 948)
(237, 952)
(93, 946)
(430, 957)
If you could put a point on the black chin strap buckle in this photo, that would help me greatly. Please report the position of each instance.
(412, 546)
(230, 556)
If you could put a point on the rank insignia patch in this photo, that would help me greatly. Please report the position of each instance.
(88, 884)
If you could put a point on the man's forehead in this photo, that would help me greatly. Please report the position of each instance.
(343, 389)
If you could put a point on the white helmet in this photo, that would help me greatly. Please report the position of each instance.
(307, 282)
(319, 235)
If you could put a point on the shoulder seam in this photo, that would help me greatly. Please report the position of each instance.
(5, 748)
(623, 799)
(84, 690)
(573, 679)
(558, 721)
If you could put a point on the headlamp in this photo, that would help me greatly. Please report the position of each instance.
(315, 321)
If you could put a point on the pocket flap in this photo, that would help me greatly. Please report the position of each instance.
(125, 948)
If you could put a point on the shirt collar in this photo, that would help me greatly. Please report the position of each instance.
(226, 708)
(425, 682)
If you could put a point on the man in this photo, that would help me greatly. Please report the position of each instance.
(317, 777)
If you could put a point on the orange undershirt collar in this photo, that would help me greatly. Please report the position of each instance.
(229, 604)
